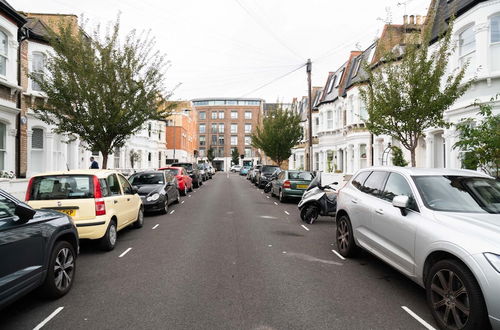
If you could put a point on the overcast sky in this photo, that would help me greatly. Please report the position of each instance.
(232, 48)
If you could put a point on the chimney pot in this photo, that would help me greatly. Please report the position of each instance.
(419, 19)
(405, 19)
(412, 19)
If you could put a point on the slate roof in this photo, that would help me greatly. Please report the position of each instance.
(333, 84)
(12, 13)
(444, 10)
(357, 74)
(37, 29)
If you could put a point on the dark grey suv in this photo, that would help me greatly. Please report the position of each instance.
(38, 248)
(193, 172)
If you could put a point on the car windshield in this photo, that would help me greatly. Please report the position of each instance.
(147, 178)
(187, 166)
(62, 187)
(459, 194)
(305, 176)
(172, 171)
(201, 167)
(269, 169)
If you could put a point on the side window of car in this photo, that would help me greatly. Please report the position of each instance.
(281, 176)
(373, 185)
(104, 188)
(360, 179)
(7, 209)
(397, 185)
(114, 186)
(184, 171)
(127, 188)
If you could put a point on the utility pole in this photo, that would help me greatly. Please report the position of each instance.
(309, 165)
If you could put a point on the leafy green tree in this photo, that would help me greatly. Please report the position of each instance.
(210, 154)
(135, 156)
(397, 157)
(100, 89)
(235, 156)
(279, 132)
(406, 94)
(480, 142)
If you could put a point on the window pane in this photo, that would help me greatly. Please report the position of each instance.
(221, 114)
(248, 128)
(214, 139)
(234, 114)
(234, 128)
(221, 128)
(37, 138)
(373, 184)
(248, 115)
(214, 128)
(202, 128)
(3, 43)
(467, 41)
(203, 115)
(234, 140)
(214, 114)
(396, 186)
(360, 179)
(3, 130)
(495, 29)
(202, 140)
(62, 187)
(113, 184)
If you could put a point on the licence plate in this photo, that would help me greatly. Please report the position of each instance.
(71, 213)
(302, 186)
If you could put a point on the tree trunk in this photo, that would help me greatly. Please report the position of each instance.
(104, 161)
(412, 156)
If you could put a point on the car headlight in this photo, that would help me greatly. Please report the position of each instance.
(494, 260)
(153, 197)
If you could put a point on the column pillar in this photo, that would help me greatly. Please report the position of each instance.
(429, 150)
(49, 154)
(29, 135)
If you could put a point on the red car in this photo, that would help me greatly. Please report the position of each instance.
(185, 183)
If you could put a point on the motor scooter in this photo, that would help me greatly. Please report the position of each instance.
(318, 200)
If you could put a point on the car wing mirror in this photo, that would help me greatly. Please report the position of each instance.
(401, 202)
(24, 212)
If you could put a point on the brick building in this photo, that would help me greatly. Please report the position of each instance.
(182, 134)
(225, 124)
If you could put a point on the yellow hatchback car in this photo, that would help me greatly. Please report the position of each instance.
(101, 202)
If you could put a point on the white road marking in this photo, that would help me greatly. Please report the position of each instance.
(284, 251)
(182, 202)
(50, 317)
(262, 192)
(287, 213)
(338, 254)
(267, 196)
(304, 227)
(155, 226)
(270, 245)
(267, 217)
(124, 253)
(172, 212)
(275, 203)
(418, 318)
(228, 176)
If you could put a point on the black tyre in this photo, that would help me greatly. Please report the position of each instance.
(282, 199)
(196, 184)
(344, 237)
(165, 207)
(140, 219)
(272, 192)
(61, 271)
(178, 198)
(108, 241)
(185, 191)
(311, 213)
(454, 297)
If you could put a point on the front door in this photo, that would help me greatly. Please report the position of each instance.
(129, 199)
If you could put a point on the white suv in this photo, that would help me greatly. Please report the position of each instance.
(439, 227)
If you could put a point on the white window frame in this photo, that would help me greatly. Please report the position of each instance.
(5, 55)
(37, 70)
(235, 126)
(234, 140)
(234, 114)
(248, 130)
(248, 114)
(329, 119)
(469, 54)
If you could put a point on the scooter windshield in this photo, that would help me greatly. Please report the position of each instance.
(316, 182)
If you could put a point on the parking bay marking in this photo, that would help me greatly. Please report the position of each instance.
(156, 226)
(275, 203)
(50, 317)
(418, 318)
(287, 213)
(182, 202)
(172, 212)
(124, 253)
(304, 227)
(338, 254)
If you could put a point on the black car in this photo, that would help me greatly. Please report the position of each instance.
(158, 189)
(38, 248)
(193, 172)
(265, 175)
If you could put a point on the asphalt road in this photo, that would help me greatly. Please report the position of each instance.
(228, 257)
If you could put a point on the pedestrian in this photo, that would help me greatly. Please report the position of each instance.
(93, 163)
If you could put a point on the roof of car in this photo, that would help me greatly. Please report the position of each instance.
(99, 173)
(417, 171)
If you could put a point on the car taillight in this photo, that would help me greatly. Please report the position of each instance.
(28, 191)
(287, 184)
(100, 206)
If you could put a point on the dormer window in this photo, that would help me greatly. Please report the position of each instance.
(38, 69)
(4, 41)
(332, 82)
(340, 78)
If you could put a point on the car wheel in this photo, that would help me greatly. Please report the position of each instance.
(184, 191)
(283, 199)
(108, 241)
(178, 199)
(272, 192)
(344, 237)
(311, 214)
(61, 271)
(140, 219)
(165, 207)
(454, 297)
(196, 184)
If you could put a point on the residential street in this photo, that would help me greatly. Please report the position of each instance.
(228, 257)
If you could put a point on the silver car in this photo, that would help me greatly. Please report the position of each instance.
(439, 227)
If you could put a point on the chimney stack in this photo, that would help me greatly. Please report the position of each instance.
(419, 19)
(405, 19)
(412, 19)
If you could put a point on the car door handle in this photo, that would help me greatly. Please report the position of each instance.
(116, 202)
(128, 199)
(379, 211)
(354, 201)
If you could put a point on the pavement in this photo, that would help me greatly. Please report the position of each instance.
(227, 257)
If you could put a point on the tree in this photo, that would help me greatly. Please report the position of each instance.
(210, 154)
(235, 155)
(397, 157)
(99, 89)
(480, 142)
(409, 93)
(135, 156)
(279, 132)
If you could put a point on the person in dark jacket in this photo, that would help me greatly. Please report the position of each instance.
(93, 163)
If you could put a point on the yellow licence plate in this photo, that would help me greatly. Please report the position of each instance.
(302, 186)
(71, 213)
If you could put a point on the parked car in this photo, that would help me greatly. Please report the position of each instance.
(290, 184)
(208, 171)
(158, 189)
(254, 172)
(211, 169)
(193, 172)
(264, 175)
(184, 181)
(244, 170)
(235, 168)
(32, 243)
(439, 227)
(100, 202)
(203, 172)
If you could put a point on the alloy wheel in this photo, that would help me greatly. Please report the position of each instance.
(450, 299)
(63, 269)
(112, 234)
(343, 235)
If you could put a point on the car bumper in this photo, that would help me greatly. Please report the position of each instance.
(92, 229)
(489, 281)
(153, 206)
(288, 192)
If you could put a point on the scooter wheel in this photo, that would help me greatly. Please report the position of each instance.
(309, 214)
